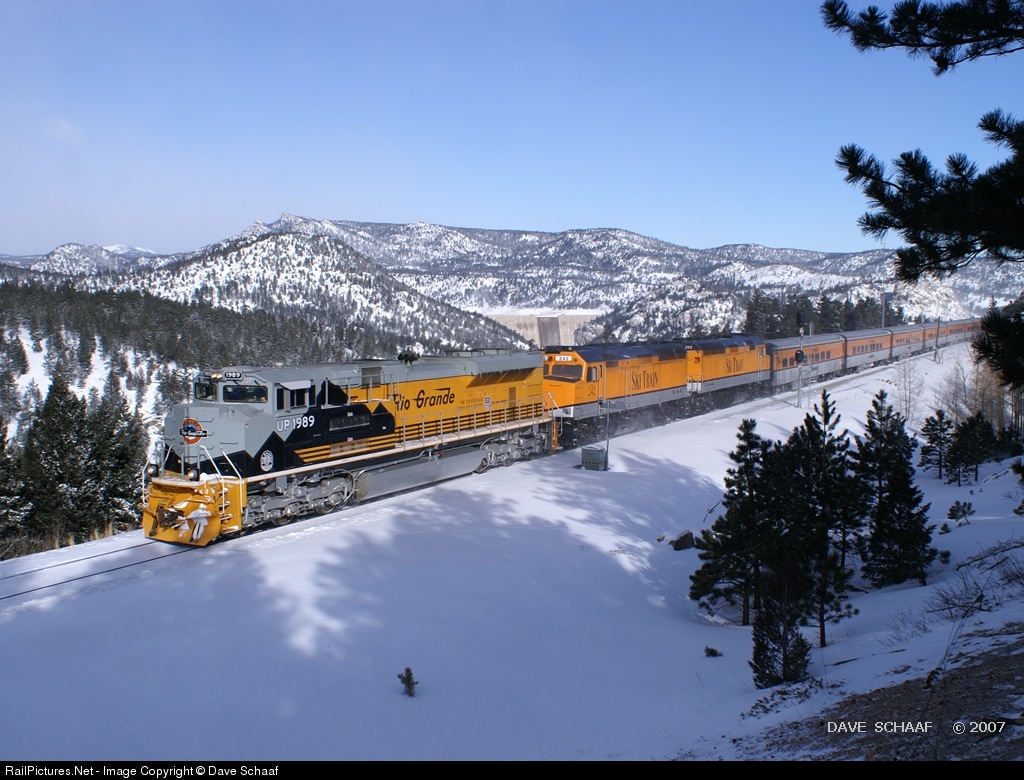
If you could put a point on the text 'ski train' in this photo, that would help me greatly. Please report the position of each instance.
(259, 446)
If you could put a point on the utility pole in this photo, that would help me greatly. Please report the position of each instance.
(800, 371)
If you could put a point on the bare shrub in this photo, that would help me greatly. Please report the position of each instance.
(958, 599)
(1011, 573)
(904, 626)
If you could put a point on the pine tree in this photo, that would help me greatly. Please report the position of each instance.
(8, 387)
(897, 548)
(764, 316)
(733, 550)
(1018, 469)
(57, 361)
(827, 503)
(961, 512)
(56, 467)
(16, 353)
(12, 504)
(938, 433)
(86, 349)
(1002, 331)
(974, 442)
(829, 315)
(954, 215)
(781, 654)
(117, 455)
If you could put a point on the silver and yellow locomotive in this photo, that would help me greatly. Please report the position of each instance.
(268, 445)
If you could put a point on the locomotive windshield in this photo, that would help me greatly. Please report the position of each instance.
(568, 373)
(205, 391)
(245, 394)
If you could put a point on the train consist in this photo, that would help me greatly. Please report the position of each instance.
(258, 446)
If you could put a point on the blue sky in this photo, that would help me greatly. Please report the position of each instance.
(171, 125)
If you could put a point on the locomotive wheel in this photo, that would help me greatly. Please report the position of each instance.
(334, 500)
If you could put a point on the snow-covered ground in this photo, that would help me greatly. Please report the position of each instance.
(540, 608)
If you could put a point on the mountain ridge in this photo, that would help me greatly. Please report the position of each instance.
(414, 279)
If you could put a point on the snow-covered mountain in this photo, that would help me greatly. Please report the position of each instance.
(76, 259)
(418, 277)
(316, 278)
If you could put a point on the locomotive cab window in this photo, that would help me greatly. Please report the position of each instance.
(292, 395)
(336, 395)
(205, 391)
(571, 373)
(245, 394)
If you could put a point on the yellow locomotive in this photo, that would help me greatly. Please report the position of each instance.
(608, 388)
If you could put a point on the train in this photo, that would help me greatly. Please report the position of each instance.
(258, 446)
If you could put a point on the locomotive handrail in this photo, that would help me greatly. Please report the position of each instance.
(239, 485)
(477, 418)
(231, 463)
(212, 461)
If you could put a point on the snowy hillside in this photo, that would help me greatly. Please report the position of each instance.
(540, 607)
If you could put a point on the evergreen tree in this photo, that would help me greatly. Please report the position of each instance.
(897, 548)
(800, 313)
(764, 316)
(827, 503)
(1002, 332)
(954, 217)
(974, 442)
(8, 387)
(117, 456)
(55, 467)
(732, 550)
(409, 682)
(885, 448)
(781, 654)
(1018, 469)
(12, 505)
(938, 433)
(829, 315)
(57, 361)
(16, 353)
(31, 402)
(86, 349)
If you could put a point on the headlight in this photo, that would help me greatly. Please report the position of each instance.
(152, 469)
(193, 474)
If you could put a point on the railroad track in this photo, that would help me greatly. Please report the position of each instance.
(32, 575)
